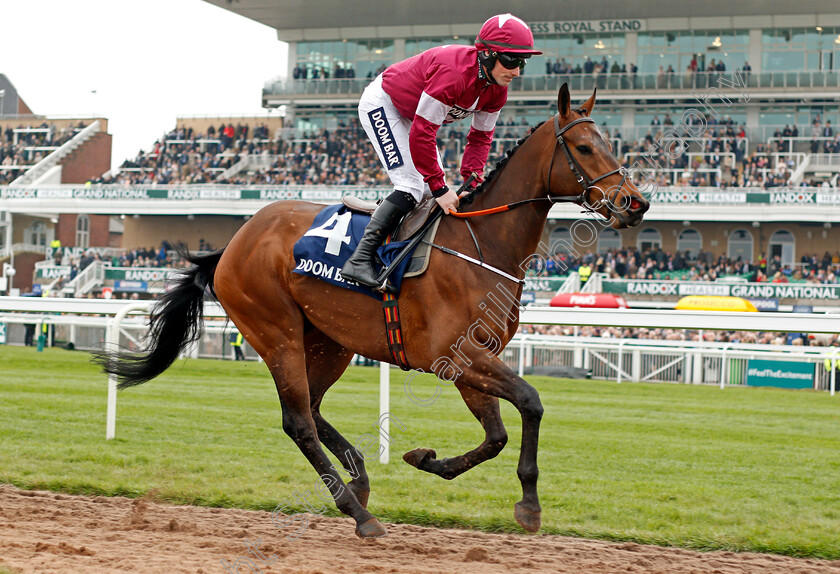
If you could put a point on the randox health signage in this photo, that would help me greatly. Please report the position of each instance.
(745, 290)
(2, 333)
(785, 374)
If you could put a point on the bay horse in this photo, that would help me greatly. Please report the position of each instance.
(307, 330)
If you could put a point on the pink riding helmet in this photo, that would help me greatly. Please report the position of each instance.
(506, 33)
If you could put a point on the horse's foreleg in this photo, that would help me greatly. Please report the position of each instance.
(486, 409)
(493, 377)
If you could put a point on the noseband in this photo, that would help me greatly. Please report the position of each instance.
(577, 170)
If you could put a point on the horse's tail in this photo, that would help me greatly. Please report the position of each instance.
(176, 321)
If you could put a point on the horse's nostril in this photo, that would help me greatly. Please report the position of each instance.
(635, 204)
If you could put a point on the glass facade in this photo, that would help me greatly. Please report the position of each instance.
(677, 49)
(802, 115)
(414, 46)
(576, 49)
(364, 57)
(782, 49)
(796, 49)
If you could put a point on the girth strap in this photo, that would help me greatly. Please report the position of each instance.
(393, 331)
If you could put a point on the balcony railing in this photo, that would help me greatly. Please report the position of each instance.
(586, 82)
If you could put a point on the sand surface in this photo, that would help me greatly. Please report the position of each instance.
(45, 532)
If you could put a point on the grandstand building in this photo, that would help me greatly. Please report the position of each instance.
(752, 90)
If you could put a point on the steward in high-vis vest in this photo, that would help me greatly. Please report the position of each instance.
(832, 360)
(236, 343)
(584, 271)
(405, 106)
(55, 247)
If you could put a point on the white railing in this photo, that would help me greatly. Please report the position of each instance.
(243, 163)
(91, 276)
(640, 360)
(799, 172)
(571, 284)
(52, 159)
(679, 358)
(593, 284)
(825, 160)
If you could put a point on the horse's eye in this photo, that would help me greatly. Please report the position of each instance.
(584, 149)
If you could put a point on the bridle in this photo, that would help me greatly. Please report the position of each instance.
(574, 166)
(582, 198)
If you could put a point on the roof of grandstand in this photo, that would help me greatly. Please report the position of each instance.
(325, 14)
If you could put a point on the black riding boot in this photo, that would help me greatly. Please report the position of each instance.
(384, 220)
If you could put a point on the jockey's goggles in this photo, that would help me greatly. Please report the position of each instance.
(511, 61)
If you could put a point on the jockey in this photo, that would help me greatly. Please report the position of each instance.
(405, 106)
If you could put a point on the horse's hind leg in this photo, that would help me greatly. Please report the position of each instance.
(299, 424)
(280, 342)
(486, 410)
(326, 360)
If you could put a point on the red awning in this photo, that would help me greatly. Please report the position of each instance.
(600, 300)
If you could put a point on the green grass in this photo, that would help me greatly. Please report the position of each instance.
(691, 466)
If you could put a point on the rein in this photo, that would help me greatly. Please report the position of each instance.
(575, 168)
(509, 206)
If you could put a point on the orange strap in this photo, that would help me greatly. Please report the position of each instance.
(481, 212)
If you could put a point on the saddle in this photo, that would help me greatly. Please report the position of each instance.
(410, 225)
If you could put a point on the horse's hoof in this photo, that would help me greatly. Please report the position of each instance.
(418, 456)
(361, 494)
(527, 519)
(371, 528)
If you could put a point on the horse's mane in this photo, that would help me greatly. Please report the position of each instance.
(502, 162)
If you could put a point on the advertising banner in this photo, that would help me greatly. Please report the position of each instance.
(138, 273)
(224, 193)
(765, 304)
(784, 374)
(133, 286)
(543, 283)
(745, 290)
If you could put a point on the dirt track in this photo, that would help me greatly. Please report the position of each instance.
(57, 533)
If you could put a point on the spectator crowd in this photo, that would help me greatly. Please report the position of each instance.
(22, 147)
(630, 263)
(250, 155)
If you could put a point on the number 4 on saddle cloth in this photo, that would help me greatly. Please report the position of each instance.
(333, 237)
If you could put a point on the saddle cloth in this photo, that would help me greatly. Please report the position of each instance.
(332, 238)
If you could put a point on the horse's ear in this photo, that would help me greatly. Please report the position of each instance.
(589, 104)
(564, 100)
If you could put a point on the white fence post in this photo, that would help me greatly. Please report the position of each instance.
(384, 406)
(636, 365)
(724, 370)
(112, 337)
(697, 368)
(577, 357)
(620, 361)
